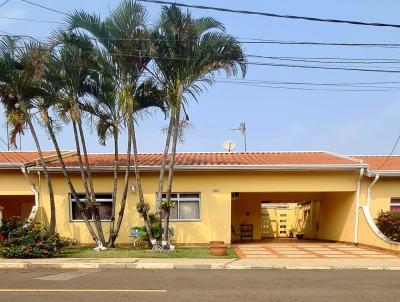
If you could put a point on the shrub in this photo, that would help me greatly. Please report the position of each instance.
(155, 226)
(33, 241)
(10, 224)
(389, 224)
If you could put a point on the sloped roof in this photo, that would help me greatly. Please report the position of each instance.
(197, 159)
(381, 162)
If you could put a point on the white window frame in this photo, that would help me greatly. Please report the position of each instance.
(71, 199)
(178, 199)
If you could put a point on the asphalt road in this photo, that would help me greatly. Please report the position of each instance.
(198, 285)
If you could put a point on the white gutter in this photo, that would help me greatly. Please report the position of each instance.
(301, 167)
(35, 191)
(357, 218)
(370, 189)
(393, 173)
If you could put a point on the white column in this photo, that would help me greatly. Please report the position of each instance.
(1, 215)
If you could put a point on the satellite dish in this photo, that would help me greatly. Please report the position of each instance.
(229, 145)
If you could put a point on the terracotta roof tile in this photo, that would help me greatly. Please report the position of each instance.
(381, 162)
(197, 159)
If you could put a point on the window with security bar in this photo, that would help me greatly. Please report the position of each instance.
(395, 204)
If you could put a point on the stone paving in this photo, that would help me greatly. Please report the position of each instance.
(307, 250)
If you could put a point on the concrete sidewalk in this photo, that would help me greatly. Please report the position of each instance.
(179, 263)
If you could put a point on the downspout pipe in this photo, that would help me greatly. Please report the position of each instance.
(357, 209)
(370, 189)
(34, 190)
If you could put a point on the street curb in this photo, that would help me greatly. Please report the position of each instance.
(171, 266)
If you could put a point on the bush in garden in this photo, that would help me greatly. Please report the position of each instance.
(10, 224)
(155, 226)
(389, 224)
(33, 241)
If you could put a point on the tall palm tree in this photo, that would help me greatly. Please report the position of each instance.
(109, 121)
(52, 94)
(188, 54)
(123, 37)
(21, 71)
(74, 58)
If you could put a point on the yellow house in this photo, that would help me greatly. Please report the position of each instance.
(222, 196)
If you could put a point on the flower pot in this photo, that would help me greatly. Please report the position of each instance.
(218, 250)
(214, 243)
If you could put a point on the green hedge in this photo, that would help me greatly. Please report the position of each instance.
(389, 224)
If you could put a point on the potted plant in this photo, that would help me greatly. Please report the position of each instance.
(299, 236)
(218, 248)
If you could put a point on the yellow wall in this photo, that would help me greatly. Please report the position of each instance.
(384, 189)
(336, 216)
(13, 182)
(215, 207)
(334, 213)
(276, 219)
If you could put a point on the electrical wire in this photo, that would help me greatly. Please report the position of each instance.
(4, 3)
(390, 154)
(265, 14)
(45, 7)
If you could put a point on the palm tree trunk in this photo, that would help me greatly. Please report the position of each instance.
(53, 138)
(115, 188)
(114, 234)
(83, 174)
(97, 218)
(138, 182)
(164, 162)
(175, 136)
(52, 227)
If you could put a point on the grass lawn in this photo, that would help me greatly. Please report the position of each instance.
(184, 252)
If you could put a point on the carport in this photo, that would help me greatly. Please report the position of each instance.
(262, 216)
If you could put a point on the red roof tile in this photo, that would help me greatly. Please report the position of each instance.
(381, 162)
(20, 157)
(198, 159)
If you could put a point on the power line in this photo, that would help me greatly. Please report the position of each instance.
(311, 89)
(391, 153)
(381, 70)
(4, 3)
(31, 20)
(265, 14)
(45, 7)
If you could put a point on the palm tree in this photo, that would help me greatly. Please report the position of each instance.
(51, 95)
(125, 41)
(109, 121)
(74, 58)
(21, 70)
(188, 54)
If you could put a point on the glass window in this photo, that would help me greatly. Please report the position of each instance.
(103, 203)
(395, 204)
(187, 206)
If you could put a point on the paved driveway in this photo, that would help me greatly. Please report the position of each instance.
(307, 250)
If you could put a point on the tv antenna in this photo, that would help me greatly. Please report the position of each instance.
(242, 130)
(229, 145)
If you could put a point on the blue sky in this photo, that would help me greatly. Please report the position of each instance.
(277, 119)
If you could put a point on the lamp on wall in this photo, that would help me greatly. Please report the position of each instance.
(132, 188)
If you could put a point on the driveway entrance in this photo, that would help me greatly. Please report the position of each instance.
(307, 250)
